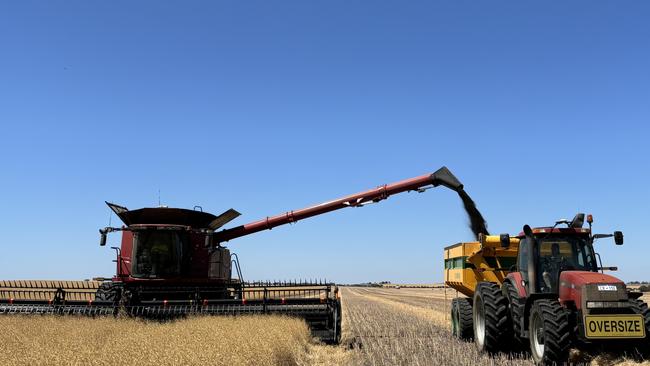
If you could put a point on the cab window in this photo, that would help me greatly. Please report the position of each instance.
(522, 259)
(158, 253)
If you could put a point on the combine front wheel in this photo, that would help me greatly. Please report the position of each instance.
(461, 319)
(549, 333)
(108, 292)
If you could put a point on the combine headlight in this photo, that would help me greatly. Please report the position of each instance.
(606, 304)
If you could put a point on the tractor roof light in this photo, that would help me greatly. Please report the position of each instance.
(590, 219)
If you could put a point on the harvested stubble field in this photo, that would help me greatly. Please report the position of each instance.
(409, 327)
(405, 327)
(381, 326)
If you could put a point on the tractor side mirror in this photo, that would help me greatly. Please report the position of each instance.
(505, 240)
(102, 239)
(618, 237)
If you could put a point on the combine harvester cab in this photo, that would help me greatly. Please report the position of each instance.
(544, 290)
(172, 262)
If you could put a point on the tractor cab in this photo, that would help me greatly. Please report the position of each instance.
(546, 252)
(556, 250)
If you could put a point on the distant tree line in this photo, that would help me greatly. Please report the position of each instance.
(645, 286)
(365, 284)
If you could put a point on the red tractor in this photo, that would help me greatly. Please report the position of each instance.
(545, 289)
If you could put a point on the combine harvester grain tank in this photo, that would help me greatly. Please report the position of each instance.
(173, 262)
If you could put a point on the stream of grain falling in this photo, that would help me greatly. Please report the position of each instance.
(476, 220)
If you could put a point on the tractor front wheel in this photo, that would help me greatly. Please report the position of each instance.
(516, 314)
(640, 307)
(549, 332)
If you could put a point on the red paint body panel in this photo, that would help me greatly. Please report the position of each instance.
(124, 263)
(517, 279)
(571, 283)
(200, 256)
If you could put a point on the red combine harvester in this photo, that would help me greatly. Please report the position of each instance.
(172, 262)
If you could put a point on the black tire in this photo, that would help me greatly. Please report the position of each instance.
(550, 332)
(462, 326)
(124, 306)
(640, 307)
(492, 326)
(516, 312)
(108, 292)
(337, 316)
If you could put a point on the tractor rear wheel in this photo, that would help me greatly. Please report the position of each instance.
(550, 333)
(462, 326)
(492, 328)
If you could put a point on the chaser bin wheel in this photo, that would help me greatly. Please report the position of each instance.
(462, 326)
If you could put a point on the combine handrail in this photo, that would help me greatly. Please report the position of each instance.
(237, 267)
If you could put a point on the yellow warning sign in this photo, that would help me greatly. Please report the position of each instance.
(614, 326)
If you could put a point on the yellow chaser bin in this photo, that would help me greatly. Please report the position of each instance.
(467, 264)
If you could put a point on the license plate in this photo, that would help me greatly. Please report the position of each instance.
(614, 326)
(606, 288)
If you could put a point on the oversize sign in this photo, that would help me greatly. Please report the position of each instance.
(614, 326)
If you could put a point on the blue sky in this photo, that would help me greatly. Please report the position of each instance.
(540, 109)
